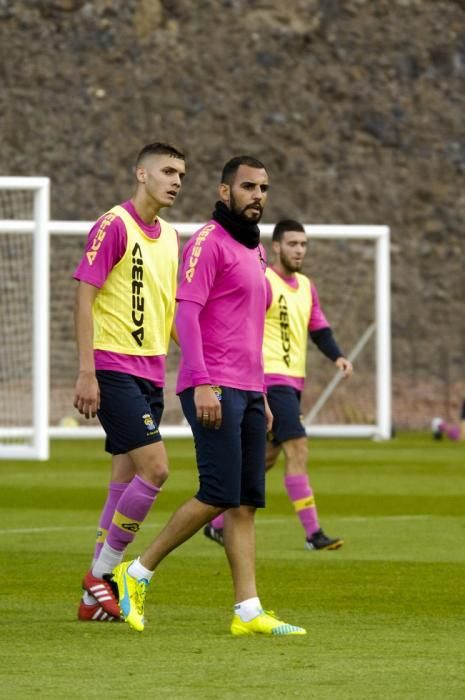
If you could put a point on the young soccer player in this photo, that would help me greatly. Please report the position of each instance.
(293, 312)
(220, 321)
(124, 313)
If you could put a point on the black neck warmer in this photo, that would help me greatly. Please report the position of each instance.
(243, 231)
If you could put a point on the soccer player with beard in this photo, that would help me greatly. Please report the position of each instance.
(124, 313)
(293, 312)
(220, 322)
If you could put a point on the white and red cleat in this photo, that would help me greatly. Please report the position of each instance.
(103, 593)
(94, 613)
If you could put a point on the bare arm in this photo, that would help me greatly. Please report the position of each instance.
(86, 394)
(174, 331)
(268, 415)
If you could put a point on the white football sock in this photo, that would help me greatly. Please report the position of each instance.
(88, 598)
(248, 609)
(108, 559)
(138, 571)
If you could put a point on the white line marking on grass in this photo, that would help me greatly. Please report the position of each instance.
(39, 530)
(349, 518)
(364, 518)
(259, 521)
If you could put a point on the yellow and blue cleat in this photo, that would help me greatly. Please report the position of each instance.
(131, 594)
(266, 623)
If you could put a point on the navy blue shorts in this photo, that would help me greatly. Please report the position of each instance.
(130, 411)
(231, 460)
(284, 403)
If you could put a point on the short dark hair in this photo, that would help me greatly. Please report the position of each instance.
(286, 225)
(232, 166)
(157, 148)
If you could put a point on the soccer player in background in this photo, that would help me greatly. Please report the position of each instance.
(453, 431)
(124, 313)
(293, 312)
(220, 321)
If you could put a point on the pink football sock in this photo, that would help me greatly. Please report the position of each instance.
(130, 512)
(218, 522)
(452, 431)
(300, 493)
(115, 491)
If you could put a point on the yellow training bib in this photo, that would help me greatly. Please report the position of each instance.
(286, 326)
(133, 311)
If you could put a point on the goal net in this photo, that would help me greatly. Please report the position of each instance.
(349, 264)
(24, 312)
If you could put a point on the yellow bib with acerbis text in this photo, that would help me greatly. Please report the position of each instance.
(133, 311)
(286, 326)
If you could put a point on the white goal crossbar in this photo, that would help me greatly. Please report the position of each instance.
(42, 226)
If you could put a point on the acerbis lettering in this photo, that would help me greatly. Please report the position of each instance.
(137, 294)
(284, 325)
(98, 238)
(196, 251)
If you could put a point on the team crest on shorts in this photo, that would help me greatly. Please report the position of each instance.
(148, 420)
(218, 391)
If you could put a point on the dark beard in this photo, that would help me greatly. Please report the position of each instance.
(237, 225)
(241, 212)
(290, 267)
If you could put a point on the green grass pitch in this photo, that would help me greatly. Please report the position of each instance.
(385, 614)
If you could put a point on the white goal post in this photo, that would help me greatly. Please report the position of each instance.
(40, 431)
(37, 446)
(381, 429)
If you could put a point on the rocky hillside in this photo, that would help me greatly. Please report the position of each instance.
(355, 106)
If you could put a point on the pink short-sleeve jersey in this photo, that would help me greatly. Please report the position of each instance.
(101, 254)
(318, 319)
(227, 280)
